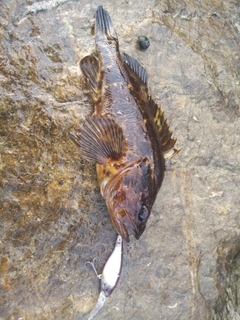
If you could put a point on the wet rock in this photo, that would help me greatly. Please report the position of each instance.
(52, 217)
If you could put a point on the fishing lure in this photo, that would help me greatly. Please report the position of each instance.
(110, 275)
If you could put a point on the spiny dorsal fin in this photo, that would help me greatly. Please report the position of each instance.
(135, 66)
(163, 128)
(90, 68)
(100, 138)
(168, 157)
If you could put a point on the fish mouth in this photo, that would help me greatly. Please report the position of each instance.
(124, 222)
(128, 224)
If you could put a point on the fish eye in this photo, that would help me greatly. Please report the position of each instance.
(143, 213)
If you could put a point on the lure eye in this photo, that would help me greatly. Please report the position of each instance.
(143, 213)
(107, 291)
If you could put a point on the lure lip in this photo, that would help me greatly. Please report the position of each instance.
(98, 305)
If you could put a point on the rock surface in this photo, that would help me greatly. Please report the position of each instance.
(52, 217)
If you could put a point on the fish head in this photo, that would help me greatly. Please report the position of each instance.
(129, 198)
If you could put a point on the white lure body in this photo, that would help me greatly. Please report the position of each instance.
(110, 275)
(112, 268)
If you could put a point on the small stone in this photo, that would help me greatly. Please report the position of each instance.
(143, 42)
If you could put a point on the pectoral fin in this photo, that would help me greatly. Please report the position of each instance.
(100, 138)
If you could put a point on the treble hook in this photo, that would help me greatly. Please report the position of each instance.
(93, 266)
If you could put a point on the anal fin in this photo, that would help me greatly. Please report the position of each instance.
(90, 68)
(100, 138)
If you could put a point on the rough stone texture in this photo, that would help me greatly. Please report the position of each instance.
(52, 217)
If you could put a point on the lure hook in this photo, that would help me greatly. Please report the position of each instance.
(93, 266)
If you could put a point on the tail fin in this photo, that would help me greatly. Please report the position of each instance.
(103, 26)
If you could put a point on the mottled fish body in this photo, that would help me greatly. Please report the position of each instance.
(127, 136)
(110, 276)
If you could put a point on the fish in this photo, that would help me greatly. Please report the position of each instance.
(127, 136)
(110, 275)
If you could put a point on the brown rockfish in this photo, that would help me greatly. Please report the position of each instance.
(127, 136)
